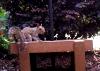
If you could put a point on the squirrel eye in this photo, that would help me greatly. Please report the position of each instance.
(40, 29)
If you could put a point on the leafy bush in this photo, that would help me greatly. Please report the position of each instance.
(4, 43)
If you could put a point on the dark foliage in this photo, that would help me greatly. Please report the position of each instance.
(77, 18)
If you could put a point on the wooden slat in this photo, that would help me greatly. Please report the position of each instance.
(38, 47)
(51, 46)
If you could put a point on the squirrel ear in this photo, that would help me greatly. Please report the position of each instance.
(41, 24)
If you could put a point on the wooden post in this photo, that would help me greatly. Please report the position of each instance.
(24, 60)
(79, 54)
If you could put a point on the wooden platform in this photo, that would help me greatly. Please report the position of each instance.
(77, 46)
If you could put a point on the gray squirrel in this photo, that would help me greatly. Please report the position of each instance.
(27, 34)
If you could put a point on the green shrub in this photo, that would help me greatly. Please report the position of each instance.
(4, 42)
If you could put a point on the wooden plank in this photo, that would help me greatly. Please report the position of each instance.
(13, 48)
(51, 46)
(88, 45)
(42, 47)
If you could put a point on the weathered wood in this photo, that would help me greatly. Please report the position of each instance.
(77, 46)
(79, 56)
(24, 60)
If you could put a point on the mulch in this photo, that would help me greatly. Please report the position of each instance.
(9, 62)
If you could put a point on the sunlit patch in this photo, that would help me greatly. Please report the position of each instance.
(96, 40)
(96, 43)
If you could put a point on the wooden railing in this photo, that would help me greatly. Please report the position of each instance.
(79, 47)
